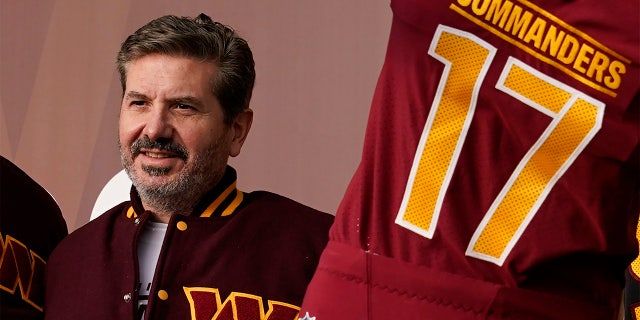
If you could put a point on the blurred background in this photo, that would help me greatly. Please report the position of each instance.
(317, 63)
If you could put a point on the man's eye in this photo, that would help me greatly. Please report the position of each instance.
(183, 106)
(138, 103)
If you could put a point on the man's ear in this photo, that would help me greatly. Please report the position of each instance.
(239, 131)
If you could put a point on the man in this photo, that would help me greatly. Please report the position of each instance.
(499, 178)
(31, 225)
(189, 244)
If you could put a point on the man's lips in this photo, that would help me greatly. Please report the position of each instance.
(154, 149)
(156, 154)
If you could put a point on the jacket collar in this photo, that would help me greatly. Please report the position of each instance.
(222, 200)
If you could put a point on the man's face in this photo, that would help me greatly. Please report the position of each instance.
(174, 143)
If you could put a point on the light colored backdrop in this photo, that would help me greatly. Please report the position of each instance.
(317, 64)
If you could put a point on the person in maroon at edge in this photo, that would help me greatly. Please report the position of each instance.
(500, 171)
(31, 225)
(189, 244)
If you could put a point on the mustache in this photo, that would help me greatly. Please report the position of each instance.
(163, 145)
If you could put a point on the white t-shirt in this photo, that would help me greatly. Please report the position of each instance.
(149, 246)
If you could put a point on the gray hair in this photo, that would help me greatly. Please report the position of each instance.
(202, 39)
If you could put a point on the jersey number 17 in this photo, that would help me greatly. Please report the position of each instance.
(575, 119)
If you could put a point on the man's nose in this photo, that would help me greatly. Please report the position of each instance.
(158, 124)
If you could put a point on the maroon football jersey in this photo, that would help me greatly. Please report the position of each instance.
(632, 288)
(31, 225)
(500, 164)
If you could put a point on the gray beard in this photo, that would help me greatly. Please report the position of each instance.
(181, 195)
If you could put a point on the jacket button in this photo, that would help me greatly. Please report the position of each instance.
(181, 225)
(136, 221)
(163, 295)
(127, 297)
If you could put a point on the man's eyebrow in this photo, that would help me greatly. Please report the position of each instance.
(186, 100)
(133, 95)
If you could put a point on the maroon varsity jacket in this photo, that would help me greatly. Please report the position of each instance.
(237, 256)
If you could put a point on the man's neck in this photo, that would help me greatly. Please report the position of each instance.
(159, 214)
(160, 217)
